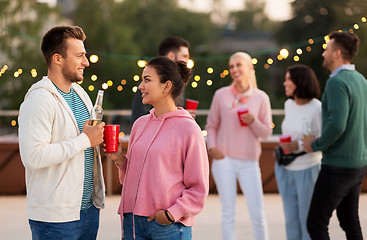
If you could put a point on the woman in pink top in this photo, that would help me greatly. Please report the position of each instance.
(165, 173)
(236, 148)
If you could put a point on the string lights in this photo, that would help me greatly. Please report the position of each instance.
(294, 52)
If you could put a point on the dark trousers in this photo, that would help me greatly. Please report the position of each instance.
(336, 188)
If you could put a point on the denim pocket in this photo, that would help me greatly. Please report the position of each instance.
(161, 224)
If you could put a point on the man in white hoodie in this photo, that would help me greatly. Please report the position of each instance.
(59, 150)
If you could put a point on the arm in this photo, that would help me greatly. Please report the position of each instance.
(213, 122)
(262, 126)
(336, 116)
(37, 147)
(119, 160)
(195, 179)
(212, 127)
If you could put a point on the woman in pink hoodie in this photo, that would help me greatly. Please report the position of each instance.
(233, 142)
(165, 173)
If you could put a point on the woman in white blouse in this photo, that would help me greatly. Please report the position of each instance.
(302, 117)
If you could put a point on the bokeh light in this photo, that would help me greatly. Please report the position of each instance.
(93, 58)
(141, 63)
(190, 63)
(284, 53)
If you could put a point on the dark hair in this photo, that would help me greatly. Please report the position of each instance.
(307, 85)
(176, 72)
(54, 40)
(347, 42)
(172, 44)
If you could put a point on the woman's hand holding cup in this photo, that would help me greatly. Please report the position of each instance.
(118, 157)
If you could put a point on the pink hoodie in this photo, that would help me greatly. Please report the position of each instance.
(225, 131)
(166, 167)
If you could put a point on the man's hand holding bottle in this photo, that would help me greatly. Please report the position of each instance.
(94, 133)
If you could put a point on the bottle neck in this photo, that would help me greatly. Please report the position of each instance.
(99, 100)
(97, 110)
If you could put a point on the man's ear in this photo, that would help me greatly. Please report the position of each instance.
(338, 52)
(171, 55)
(57, 58)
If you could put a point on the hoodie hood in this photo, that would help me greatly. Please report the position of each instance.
(46, 84)
(146, 119)
(178, 113)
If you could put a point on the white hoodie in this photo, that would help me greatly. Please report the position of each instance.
(52, 152)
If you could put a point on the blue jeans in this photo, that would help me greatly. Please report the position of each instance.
(296, 188)
(336, 188)
(153, 230)
(84, 229)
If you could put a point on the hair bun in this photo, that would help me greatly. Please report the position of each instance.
(184, 71)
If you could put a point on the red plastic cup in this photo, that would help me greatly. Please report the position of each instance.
(240, 112)
(191, 104)
(111, 137)
(284, 139)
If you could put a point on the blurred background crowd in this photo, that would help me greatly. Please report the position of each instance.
(123, 34)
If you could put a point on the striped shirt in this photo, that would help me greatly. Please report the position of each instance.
(81, 114)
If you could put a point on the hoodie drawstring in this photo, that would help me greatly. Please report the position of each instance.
(145, 157)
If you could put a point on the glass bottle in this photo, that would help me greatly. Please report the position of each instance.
(96, 113)
(306, 126)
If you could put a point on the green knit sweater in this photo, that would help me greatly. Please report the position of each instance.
(343, 138)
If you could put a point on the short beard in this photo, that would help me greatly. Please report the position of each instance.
(70, 76)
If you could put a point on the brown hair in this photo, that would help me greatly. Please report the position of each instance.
(347, 42)
(176, 72)
(54, 40)
(307, 85)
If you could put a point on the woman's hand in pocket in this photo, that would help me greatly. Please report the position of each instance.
(159, 217)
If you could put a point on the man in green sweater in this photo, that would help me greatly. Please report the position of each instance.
(343, 141)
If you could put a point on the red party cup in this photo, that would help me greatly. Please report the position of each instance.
(191, 104)
(285, 139)
(240, 112)
(110, 137)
